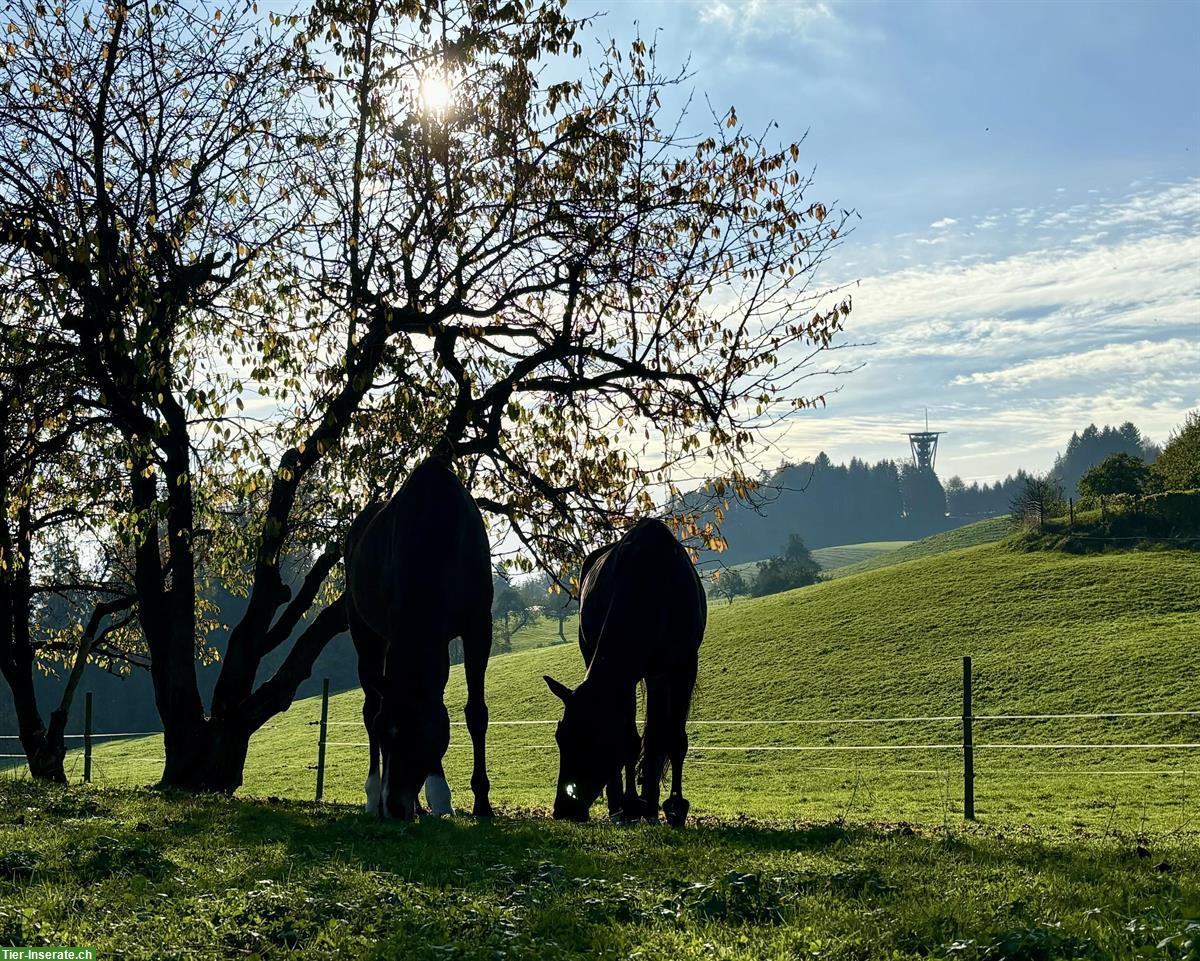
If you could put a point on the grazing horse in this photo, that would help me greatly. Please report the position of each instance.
(418, 574)
(641, 618)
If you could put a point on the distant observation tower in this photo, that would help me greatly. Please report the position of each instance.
(924, 445)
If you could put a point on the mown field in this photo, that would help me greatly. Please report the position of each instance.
(1049, 633)
(831, 558)
(970, 535)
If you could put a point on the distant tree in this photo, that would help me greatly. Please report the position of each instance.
(558, 606)
(1178, 466)
(1116, 474)
(1040, 498)
(728, 584)
(924, 497)
(510, 613)
(796, 568)
(1089, 448)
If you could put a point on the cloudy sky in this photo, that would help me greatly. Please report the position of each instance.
(1028, 175)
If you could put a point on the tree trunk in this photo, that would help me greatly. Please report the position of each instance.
(211, 756)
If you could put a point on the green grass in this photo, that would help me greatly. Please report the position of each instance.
(970, 535)
(139, 875)
(1049, 633)
(544, 633)
(831, 558)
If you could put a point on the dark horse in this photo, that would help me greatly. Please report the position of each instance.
(418, 574)
(642, 616)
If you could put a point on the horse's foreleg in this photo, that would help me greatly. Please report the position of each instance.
(437, 792)
(477, 645)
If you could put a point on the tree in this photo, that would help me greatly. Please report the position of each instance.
(1178, 466)
(1041, 497)
(1092, 446)
(560, 604)
(924, 498)
(1116, 474)
(728, 584)
(50, 556)
(795, 568)
(510, 613)
(289, 277)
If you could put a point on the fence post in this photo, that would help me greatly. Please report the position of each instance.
(321, 743)
(968, 746)
(87, 738)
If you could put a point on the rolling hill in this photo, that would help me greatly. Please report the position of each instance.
(831, 558)
(971, 535)
(1049, 633)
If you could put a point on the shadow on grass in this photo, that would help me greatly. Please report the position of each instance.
(487, 854)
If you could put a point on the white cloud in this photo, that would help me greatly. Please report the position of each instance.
(1015, 351)
(1142, 358)
(747, 17)
(944, 222)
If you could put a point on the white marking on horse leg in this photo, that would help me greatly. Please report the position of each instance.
(374, 789)
(437, 795)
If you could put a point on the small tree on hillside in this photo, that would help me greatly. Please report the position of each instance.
(795, 568)
(1040, 498)
(510, 613)
(1178, 466)
(728, 584)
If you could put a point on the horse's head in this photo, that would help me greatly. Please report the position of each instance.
(413, 739)
(587, 756)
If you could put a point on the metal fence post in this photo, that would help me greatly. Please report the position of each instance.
(321, 743)
(87, 738)
(968, 746)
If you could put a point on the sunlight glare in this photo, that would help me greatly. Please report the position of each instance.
(437, 93)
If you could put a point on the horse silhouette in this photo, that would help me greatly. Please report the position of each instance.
(418, 574)
(642, 616)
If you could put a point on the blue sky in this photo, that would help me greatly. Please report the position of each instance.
(1029, 180)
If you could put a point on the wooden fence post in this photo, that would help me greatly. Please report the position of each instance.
(968, 746)
(87, 738)
(321, 743)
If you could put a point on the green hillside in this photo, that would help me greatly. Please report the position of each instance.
(1049, 632)
(971, 535)
(831, 558)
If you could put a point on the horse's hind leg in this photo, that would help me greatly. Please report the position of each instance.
(654, 745)
(373, 785)
(676, 806)
(477, 646)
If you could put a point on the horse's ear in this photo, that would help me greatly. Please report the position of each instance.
(558, 688)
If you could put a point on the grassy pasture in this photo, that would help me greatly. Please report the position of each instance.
(139, 875)
(1050, 633)
(789, 855)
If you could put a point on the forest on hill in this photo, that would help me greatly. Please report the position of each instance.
(828, 504)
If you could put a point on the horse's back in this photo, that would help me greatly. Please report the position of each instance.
(421, 560)
(642, 603)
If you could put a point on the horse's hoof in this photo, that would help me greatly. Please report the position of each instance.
(676, 809)
(483, 810)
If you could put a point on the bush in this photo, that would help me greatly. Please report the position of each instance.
(796, 568)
